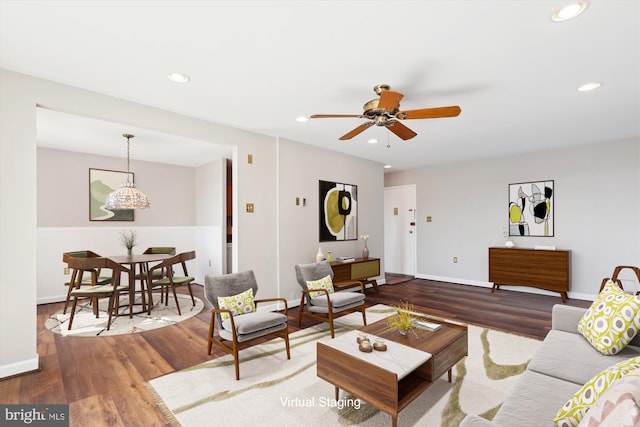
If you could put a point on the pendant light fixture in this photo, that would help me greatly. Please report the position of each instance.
(127, 197)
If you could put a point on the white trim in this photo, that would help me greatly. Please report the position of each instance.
(28, 365)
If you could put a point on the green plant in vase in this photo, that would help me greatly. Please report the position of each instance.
(402, 321)
(128, 240)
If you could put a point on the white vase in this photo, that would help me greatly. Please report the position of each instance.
(319, 255)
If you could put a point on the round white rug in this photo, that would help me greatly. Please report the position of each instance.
(85, 324)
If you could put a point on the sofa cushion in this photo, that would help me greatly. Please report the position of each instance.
(255, 322)
(238, 304)
(575, 408)
(612, 320)
(571, 358)
(324, 283)
(618, 406)
(534, 401)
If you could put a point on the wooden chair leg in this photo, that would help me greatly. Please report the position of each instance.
(330, 316)
(286, 343)
(191, 293)
(210, 339)
(175, 297)
(113, 297)
(73, 312)
(364, 315)
(72, 282)
(300, 308)
(236, 359)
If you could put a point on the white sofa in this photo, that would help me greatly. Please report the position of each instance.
(562, 365)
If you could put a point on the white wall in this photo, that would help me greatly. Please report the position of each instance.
(211, 218)
(177, 216)
(257, 236)
(301, 167)
(54, 241)
(597, 211)
(63, 190)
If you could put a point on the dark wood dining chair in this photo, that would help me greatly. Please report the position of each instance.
(143, 268)
(171, 280)
(82, 277)
(111, 290)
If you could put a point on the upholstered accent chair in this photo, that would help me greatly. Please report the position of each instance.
(235, 317)
(324, 304)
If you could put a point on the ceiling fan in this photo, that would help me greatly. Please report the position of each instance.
(385, 111)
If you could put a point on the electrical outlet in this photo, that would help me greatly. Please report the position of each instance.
(249, 207)
(66, 271)
(209, 263)
(455, 259)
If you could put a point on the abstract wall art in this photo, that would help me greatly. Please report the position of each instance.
(531, 208)
(101, 183)
(338, 211)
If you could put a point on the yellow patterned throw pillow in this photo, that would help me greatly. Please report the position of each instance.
(238, 304)
(576, 407)
(324, 283)
(612, 320)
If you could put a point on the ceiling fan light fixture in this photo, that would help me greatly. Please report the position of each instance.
(127, 196)
(179, 77)
(589, 86)
(569, 11)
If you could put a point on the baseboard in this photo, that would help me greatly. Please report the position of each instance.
(572, 295)
(22, 367)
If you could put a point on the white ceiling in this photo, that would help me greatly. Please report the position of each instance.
(257, 65)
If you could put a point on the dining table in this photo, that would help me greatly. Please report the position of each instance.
(139, 265)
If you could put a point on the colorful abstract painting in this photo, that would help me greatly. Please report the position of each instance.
(338, 211)
(531, 206)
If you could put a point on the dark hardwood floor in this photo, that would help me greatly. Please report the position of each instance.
(103, 378)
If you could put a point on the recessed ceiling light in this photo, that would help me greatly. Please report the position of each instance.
(178, 77)
(569, 11)
(302, 119)
(589, 86)
(372, 141)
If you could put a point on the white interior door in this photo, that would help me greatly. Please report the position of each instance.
(400, 230)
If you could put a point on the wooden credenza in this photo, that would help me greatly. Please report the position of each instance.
(536, 268)
(361, 269)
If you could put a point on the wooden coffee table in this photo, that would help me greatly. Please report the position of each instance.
(375, 377)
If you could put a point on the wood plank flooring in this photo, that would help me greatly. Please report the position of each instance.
(103, 378)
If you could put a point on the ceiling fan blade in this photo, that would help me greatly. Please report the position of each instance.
(356, 131)
(333, 116)
(389, 100)
(429, 113)
(399, 129)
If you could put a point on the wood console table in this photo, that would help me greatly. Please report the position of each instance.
(361, 269)
(536, 268)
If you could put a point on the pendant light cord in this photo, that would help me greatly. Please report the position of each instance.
(128, 136)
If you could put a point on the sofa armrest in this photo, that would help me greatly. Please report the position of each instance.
(476, 421)
(566, 318)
